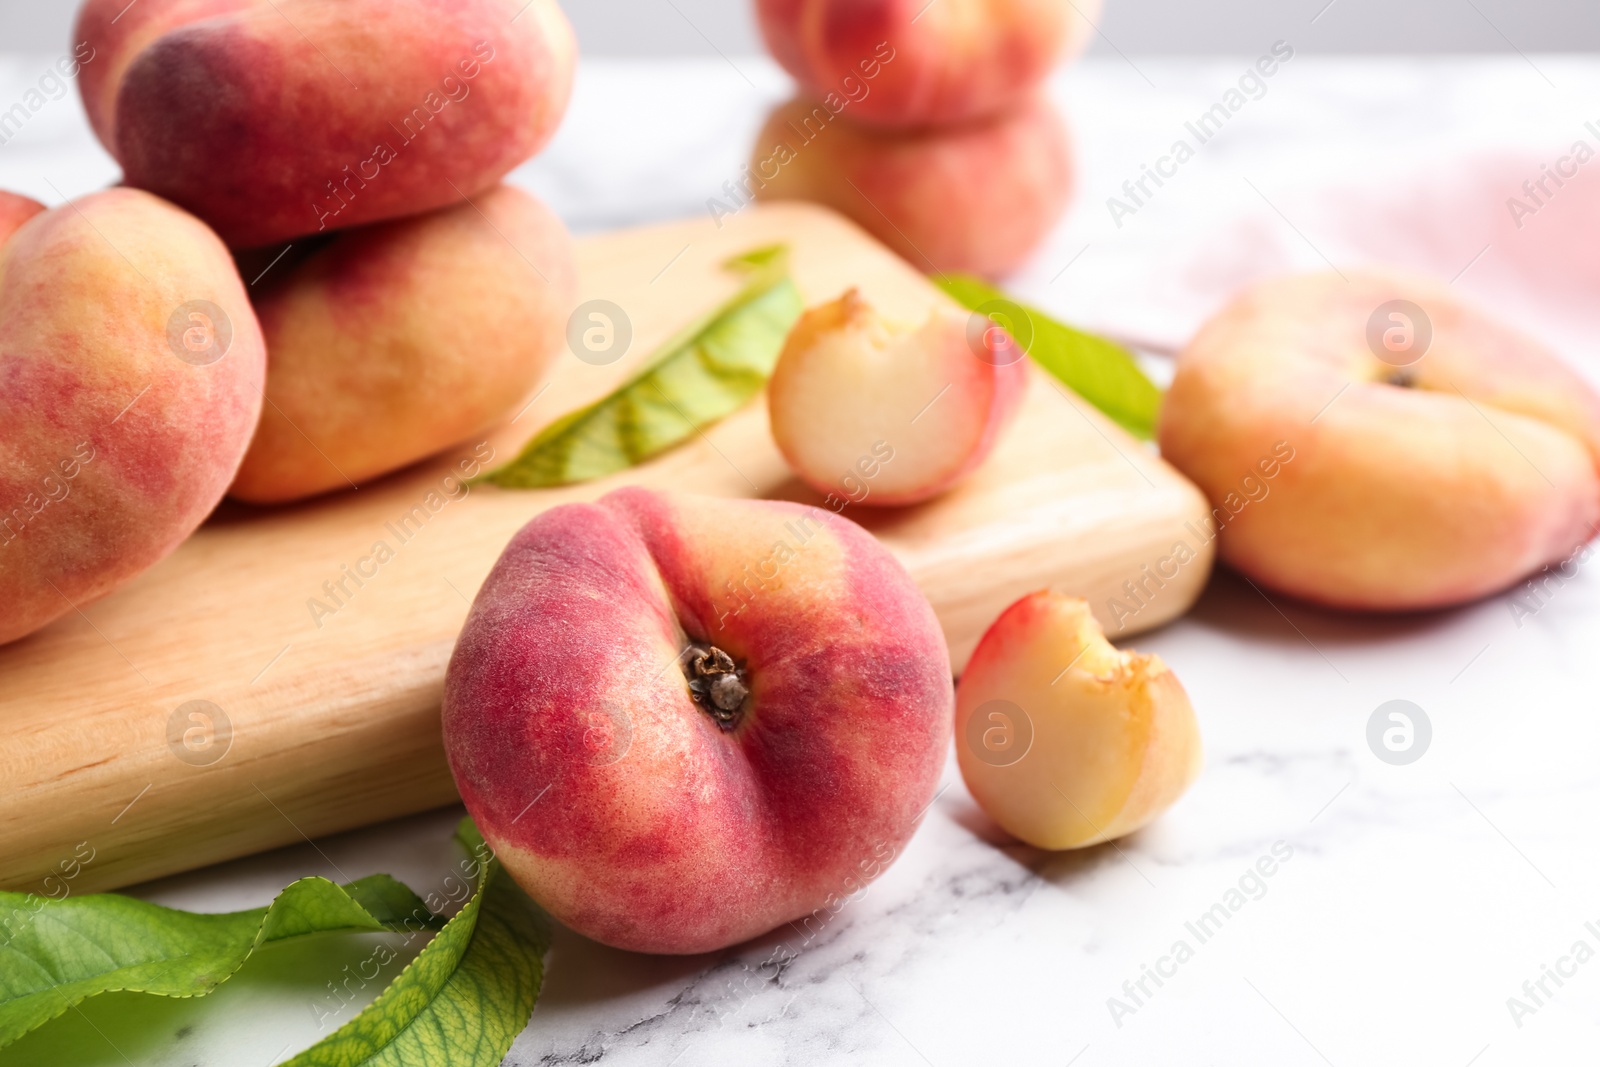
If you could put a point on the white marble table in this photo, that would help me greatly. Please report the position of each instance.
(1416, 899)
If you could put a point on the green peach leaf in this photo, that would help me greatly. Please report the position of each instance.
(706, 372)
(57, 953)
(1102, 372)
(466, 996)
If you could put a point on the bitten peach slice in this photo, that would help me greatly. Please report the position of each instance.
(272, 119)
(683, 721)
(1429, 455)
(979, 197)
(397, 340)
(908, 63)
(131, 369)
(1064, 740)
(888, 414)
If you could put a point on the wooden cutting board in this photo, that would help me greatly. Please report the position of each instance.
(208, 709)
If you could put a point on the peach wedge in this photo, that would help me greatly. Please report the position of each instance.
(1064, 740)
(885, 414)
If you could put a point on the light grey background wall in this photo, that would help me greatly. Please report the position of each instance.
(702, 27)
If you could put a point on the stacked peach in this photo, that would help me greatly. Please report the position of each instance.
(924, 122)
(274, 119)
(394, 341)
(136, 369)
(400, 119)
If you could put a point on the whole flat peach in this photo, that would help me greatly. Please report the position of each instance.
(1372, 442)
(272, 119)
(397, 340)
(681, 721)
(979, 197)
(911, 63)
(131, 369)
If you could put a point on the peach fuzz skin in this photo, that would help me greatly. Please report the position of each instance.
(112, 448)
(1112, 740)
(622, 806)
(977, 198)
(886, 415)
(921, 64)
(272, 119)
(392, 342)
(1409, 488)
(117, 33)
(14, 211)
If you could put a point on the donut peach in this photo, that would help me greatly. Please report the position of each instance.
(910, 63)
(272, 119)
(397, 340)
(131, 369)
(1377, 443)
(683, 721)
(979, 197)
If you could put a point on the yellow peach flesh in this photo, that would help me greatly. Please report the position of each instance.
(1062, 739)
